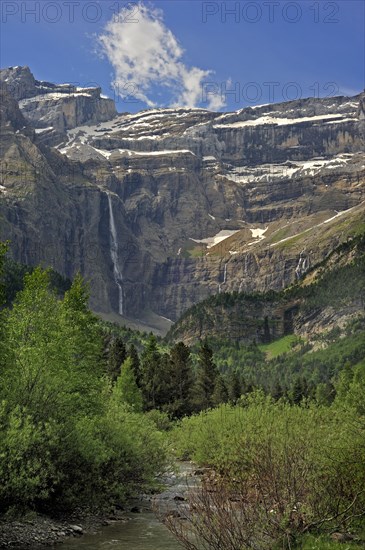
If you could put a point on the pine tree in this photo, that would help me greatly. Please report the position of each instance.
(220, 394)
(151, 374)
(181, 379)
(298, 391)
(136, 365)
(266, 336)
(126, 389)
(206, 377)
(277, 391)
(234, 387)
(117, 356)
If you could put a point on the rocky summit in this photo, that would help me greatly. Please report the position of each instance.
(167, 207)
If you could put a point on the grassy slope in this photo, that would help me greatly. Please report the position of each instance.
(278, 347)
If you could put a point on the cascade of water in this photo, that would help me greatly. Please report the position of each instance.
(118, 277)
(302, 266)
(225, 274)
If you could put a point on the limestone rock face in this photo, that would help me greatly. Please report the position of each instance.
(19, 81)
(166, 207)
(53, 109)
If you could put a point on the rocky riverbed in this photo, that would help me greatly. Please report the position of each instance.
(41, 531)
(135, 526)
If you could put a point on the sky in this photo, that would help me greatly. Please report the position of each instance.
(214, 55)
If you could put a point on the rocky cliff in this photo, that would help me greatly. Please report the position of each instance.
(164, 208)
(53, 109)
(325, 298)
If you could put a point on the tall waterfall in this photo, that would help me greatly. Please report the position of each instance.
(224, 279)
(225, 274)
(118, 277)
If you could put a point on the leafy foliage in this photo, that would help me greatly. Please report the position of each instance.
(67, 437)
(278, 472)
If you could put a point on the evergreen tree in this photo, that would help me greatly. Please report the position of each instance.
(151, 375)
(117, 356)
(267, 336)
(206, 377)
(181, 379)
(298, 391)
(126, 389)
(277, 391)
(165, 387)
(234, 387)
(220, 394)
(136, 365)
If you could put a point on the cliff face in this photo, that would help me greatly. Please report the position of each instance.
(163, 208)
(53, 109)
(327, 297)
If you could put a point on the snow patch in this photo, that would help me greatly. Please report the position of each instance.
(166, 152)
(218, 238)
(258, 233)
(277, 121)
(54, 96)
(270, 172)
(41, 130)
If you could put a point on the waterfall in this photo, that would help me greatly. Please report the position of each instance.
(302, 266)
(224, 278)
(118, 277)
(225, 274)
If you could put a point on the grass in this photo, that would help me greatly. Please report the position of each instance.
(293, 240)
(280, 234)
(323, 543)
(278, 347)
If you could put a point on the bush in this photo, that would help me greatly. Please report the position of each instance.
(280, 471)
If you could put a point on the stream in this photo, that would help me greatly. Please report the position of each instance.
(142, 531)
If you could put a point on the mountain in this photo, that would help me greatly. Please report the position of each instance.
(321, 301)
(164, 208)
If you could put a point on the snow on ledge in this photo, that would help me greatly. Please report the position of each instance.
(277, 121)
(41, 130)
(218, 238)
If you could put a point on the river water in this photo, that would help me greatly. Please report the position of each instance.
(142, 531)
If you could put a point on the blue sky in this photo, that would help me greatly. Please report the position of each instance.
(192, 53)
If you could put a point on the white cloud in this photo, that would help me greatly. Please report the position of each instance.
(147, 58)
